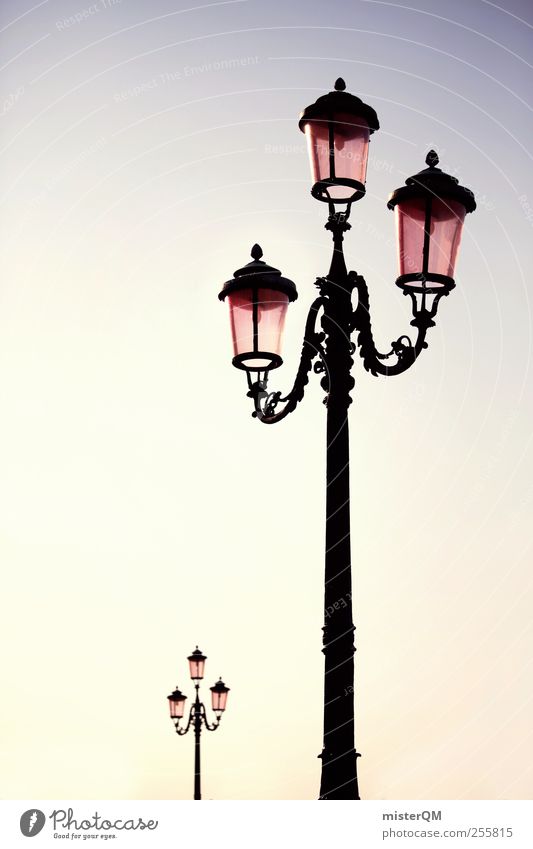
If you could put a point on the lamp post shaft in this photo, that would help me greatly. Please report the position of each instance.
(197, 733)
(339, 758)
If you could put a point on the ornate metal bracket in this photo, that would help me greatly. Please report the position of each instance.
(265, 402)
(214, 725)
(197, 712)
(403, 348)
(333, 343)
(182, 731)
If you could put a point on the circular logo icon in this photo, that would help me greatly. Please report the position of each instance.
(32, 822)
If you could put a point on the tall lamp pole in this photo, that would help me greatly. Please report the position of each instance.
(197, 713)
(430, 211)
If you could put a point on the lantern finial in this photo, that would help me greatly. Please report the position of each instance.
(256, 252)
(432, 159)
(340, 85)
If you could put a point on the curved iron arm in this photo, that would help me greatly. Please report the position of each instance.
(182, 731)
(193, 713)
(215, 724)
(265, 402)
(403, 348)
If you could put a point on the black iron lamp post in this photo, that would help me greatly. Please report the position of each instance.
(430, 211)
(197, 713)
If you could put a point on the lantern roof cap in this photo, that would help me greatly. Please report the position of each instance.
(258, 273)
(257, 265)
(219, 687)
(337, 101)
(177, 696)
(197, 655)
(433, 181)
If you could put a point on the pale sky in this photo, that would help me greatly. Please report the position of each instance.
(144, 148)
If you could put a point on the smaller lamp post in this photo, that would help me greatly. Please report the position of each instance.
(197, 713)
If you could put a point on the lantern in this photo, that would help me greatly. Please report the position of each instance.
(258, 297)
(337, 128)
(430, 211)
(196, 664)
(176, 702)
(219, 696)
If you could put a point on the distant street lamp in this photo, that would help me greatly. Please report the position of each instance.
(430, 211)
(197, 713)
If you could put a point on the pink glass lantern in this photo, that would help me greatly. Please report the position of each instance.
(258, 297)
(196, 664)
(219, 696)
(176, 702)
(430, 211)
(338, 128)
(257, 318)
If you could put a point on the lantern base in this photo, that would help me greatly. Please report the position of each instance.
(257, 361)
(426, 283)
(321, 190)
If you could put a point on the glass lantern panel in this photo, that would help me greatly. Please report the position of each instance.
(271, 311)
(177, 708)
(197, 668)
(351, 135)
(317, 135)
(350, 144)
(410, 220)
(241, 321)
(447, 217)
(219, 701)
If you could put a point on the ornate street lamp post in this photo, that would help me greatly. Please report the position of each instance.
(430, 210)
(197, 713)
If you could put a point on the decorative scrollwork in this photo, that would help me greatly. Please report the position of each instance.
(197, 714)
(400, 346)
(333, 346)
(265, 402)
(272, 401)
(403, 348)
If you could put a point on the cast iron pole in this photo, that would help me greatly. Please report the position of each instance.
(197, 732)
(339, 757)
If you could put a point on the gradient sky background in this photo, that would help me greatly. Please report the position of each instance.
(144, 149)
